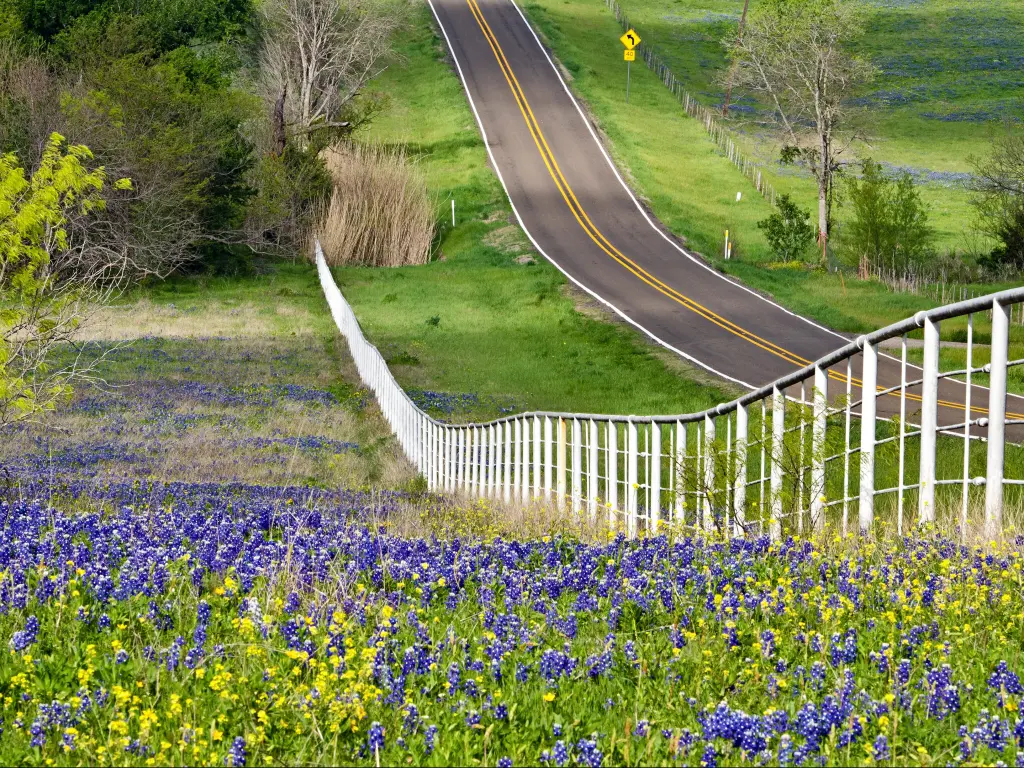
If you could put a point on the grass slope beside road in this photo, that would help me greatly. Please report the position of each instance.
(490, 325)
(690, 185)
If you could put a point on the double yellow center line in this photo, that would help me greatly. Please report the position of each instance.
(590, 228)
(602, 242)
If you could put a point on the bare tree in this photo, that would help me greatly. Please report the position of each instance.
(317, 56)
(795, 54)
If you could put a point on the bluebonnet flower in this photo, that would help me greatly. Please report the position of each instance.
(1003, 680)
(587, 752)
(375, 737)
(560, 754)
(943, 693)
(238, 754)
(24, 638)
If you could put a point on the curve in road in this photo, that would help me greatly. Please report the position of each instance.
(581, 215)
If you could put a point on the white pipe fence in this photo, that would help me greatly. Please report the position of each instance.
(783, 458)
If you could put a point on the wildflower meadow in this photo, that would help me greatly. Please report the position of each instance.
(199, 572)
(154, 614)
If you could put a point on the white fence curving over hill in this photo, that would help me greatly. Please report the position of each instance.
(788, 457)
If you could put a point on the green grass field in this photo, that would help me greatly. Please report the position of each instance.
(488, 319)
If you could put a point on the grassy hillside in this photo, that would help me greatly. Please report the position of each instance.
(947, 76)
(489, 325)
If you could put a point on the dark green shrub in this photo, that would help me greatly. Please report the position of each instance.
(788, 230)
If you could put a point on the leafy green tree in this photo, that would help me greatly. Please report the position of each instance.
(43, 296)
(155, 25)
(890, 225)
(788, 230)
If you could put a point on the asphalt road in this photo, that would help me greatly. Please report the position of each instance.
(580, 214)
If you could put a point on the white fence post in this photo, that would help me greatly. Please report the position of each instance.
(632, 483)
(611, 487)
(473, 438)
(549, 457)
(996, 421)
(538, 484)
(709, 473)
(577, 469)
(739, 494)
(524, 462)
(593, 485)
(517, 461)
(818, 447)
(929, 421)
(777, 459)
(560, 465)
(868, 410)
(654, 479)
(507, 426)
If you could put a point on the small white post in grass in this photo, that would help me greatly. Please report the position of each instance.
(453, 213)
(739, 196)
(726, 249)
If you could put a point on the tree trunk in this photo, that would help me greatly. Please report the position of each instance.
(824, 190)
(280, 138)
(728, 90)
(823, 217)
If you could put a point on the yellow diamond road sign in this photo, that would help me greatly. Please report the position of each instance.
(631, 40)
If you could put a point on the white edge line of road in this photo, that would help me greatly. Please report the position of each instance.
(522, 224)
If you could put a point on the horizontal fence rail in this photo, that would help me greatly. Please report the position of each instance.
(829, 443)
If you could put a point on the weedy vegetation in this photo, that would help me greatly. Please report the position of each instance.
(380, 213)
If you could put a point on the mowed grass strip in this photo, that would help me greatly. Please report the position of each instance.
(489, 317)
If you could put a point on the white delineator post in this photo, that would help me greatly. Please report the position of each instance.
(996, 421)
(929, 422)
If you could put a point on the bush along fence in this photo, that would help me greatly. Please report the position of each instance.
(718, 133)
(855, 434)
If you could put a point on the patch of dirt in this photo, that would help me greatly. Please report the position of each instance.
(146, 318)
(508, 240)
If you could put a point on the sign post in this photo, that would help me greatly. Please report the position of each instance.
(631, 40)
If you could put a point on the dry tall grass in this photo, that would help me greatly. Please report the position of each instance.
(380, 214)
